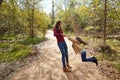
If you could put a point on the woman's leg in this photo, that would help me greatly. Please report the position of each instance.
(66, 51)
(66, 54)
(61, 47)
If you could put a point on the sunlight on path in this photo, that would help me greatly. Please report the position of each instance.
(49, 66)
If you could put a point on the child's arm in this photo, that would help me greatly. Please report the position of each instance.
(72, 40)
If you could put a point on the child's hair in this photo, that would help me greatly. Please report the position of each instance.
(81, 41)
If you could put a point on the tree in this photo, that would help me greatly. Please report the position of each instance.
(1, 2)
(104, 27)
(53, 13)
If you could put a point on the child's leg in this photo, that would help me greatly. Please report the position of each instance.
(84, 59)
(83, 56)
(91, 59)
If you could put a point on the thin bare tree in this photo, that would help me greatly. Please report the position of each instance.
(104, 27)
(53, 13)
(1, 2)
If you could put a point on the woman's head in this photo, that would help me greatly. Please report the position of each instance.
(58, 24)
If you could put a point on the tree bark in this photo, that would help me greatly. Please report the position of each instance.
(32, 23)
(104, 28)
(53, 12)
(1, 2)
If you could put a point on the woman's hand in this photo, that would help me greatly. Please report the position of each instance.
(68, 36)
(64, 35)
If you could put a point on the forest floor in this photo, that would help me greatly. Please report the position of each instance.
(47, 65)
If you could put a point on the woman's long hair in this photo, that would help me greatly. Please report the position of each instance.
(57, 25)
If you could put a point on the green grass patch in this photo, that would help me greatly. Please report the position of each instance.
(3, 45)
(117, 65)
(115, 44)
(8, 37)
(108, 57)
(33, 41)
(15, 52)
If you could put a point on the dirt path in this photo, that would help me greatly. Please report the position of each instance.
(49, 66)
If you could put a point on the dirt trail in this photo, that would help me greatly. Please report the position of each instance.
(49, 66)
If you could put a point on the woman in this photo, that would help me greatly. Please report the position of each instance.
(78, 49)
(58, 33)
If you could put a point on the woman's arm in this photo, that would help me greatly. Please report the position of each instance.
(56, 33)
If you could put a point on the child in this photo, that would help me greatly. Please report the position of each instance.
(78, 49)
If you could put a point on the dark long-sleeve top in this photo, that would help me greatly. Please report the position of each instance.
(58, 35)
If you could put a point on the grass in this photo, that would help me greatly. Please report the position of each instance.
(33, 41)
(117, 66)
(115, 44)
(113, 58)
(8, 37)
(4, 45)
(15, 51)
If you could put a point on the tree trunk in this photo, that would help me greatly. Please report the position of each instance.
(32, 23)
(66, 17)
(1, 2)
(104, 28)
(53, 12)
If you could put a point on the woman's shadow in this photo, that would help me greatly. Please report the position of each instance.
(75, 74)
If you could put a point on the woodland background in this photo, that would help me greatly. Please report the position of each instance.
(23, 23)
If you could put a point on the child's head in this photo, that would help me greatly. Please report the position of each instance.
(80, 40)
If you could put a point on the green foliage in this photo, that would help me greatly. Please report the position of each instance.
(89, 28)
(118, 66)
(78, 15)
(16, 51)
(41, 19)
(115, 44)
(4, 45)
(33, 41)
(8, 37)
(17, 20)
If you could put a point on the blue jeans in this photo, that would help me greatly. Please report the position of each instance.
(84, 59)
(64, 50)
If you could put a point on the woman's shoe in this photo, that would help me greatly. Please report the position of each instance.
(69, 66)
(66, 70)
